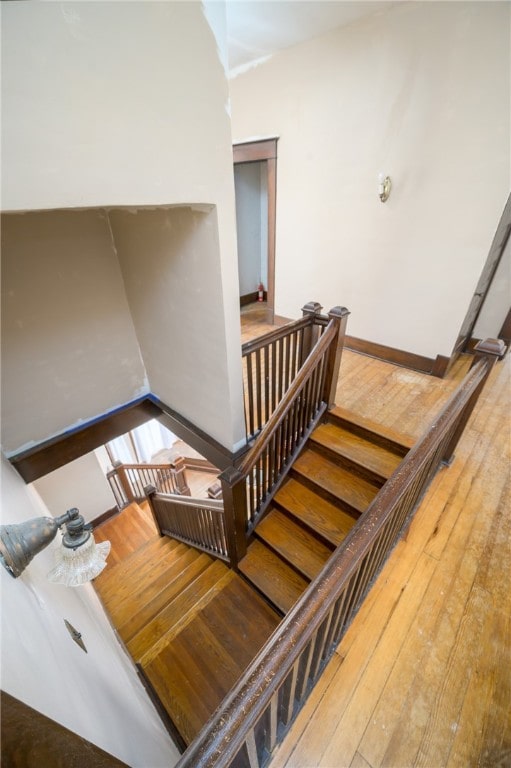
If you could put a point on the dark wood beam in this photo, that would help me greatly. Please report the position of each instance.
(58, 451)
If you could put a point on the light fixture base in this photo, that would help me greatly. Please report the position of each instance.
(384, 187)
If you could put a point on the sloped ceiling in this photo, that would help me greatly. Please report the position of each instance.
(256, 30)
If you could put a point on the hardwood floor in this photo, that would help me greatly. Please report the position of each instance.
(189, 622)
(423, 675)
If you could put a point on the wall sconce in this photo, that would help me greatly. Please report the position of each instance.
(78, 560)
(384, 187)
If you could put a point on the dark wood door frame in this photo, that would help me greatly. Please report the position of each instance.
(255, 152)
(485, 280)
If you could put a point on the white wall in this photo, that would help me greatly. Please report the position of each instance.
(95, 694)
(420, 92)
(81, 483)
(124, 104)
(69, 347)
(171, 269)
(497, 302)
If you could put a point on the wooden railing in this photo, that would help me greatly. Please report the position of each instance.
(248, 488)
(128, 481)
(198, 522)
(271, 362)
(258, 711)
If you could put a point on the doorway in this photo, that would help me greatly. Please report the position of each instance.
(255, 174)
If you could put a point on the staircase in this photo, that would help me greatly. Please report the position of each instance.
(188, 621)
(193, 625)
(344, 464)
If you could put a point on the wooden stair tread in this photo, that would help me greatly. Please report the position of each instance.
(143, 573)
(115, 570)
(179, 691)
(330, 522)
(400, 439)
(336, 480)
(130, 537)
(280, 583)
(157, 633)
(130, 616)
(195, 671)
(292, 542)
(242, 619)
(378, 460)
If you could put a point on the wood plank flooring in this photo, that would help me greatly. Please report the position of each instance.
(188, 621)
(423, 675)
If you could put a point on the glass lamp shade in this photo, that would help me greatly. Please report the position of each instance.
(76, 566)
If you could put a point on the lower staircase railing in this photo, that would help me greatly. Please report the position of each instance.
(198, 522)
(256, 714)
(128, 481)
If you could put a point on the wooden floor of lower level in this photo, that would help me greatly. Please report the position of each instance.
(423, 675)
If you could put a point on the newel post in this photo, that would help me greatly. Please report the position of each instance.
(124, 481)
(234, 492)
(311, 333)
(490, 350)
(150, 491)
(179, 469)
(340, 316)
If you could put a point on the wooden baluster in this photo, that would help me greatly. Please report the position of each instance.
(340, 316)
(251, 406)
(311, 333)
(124, 481)
(235, 513)
(179, 468)
(490, 350)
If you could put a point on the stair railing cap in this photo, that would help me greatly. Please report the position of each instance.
(339, 312)
(313, 307)
(495, 347)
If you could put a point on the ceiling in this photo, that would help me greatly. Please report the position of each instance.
(257, 29)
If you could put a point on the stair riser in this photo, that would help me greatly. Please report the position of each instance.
(366, 434)
(325, 494)
(319, 536)
(292, 542)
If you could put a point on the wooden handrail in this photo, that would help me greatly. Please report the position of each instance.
(286, 403)
(248, 489)
(271, 362)
(272, 691)
(274, 335)
(127, 481)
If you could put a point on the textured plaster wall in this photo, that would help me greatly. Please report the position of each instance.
(127, 106)
(420, 92)
(69, 347)
(171, 268)
(95, 694)
(81, 483)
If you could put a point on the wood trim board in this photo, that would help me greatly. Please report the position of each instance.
(62, 449)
